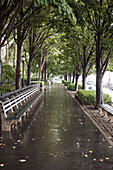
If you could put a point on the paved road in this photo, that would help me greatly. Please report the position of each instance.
(59, 137)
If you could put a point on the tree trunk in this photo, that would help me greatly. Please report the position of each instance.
(29, 73)
(73, 76)
(84, 76)
(65, 77)
(48, 75)
(99, 92)
(41, 60)
(45, 71)
(70, 77)
(6, 55)
(0, 63)
(42, 75)
(76, 83)
(77, 77)
(18, 71)
(14, 55)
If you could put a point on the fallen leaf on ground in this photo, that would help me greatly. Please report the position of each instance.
(109, 137)
(101, 160)
(109, 146)
(18, 141)
(86, 155)
(22, 160)
(94, 159)
(1, 165)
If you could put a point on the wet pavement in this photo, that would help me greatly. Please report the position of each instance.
(59, 137)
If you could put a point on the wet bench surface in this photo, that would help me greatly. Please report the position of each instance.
(59, 137)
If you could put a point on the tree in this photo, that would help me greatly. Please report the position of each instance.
(98, 18)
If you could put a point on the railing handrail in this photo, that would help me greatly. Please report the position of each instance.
(9, 94)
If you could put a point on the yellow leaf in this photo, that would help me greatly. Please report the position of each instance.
(86, 155)
(90, 151)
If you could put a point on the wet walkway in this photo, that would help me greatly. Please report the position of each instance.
(60, 137)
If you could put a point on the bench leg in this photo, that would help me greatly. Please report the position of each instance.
(6, 125)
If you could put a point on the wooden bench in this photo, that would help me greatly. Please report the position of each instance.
(107, 111)
(16, 108)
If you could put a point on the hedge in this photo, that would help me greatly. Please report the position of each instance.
(89, 97)
(66, 83)
(71, 87)
(42, 83)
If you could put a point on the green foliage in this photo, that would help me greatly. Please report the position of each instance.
(42, 83)
(107, 99)
(66, 83)
(71, 87)
(7, 77)
(6, 89)
(7, 74)
(89, 97)
(79, 86)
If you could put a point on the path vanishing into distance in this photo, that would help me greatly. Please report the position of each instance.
(60, 136)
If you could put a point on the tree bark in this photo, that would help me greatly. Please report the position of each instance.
(65, 77)
(41, 59)
(76, 83)
(14, 55)
(77, 77)
(73, 76)
(84, 76)
(18, 71)
(29, 73)
(45, 71)
(99, 92)
(0, 63)
(42, 74)
(70, 77)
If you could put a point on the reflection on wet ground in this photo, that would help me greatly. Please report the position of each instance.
(59, 137)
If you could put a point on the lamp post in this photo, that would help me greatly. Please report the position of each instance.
(23, 59)
(37, 72)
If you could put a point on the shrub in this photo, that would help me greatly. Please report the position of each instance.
(89, 97)
(42, 83)
(66, 83)
(79, 86)
(6, 89)
(63, 81)
(107, 99)
(71, 86)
